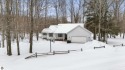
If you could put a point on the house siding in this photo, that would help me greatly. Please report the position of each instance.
(59, 38)
(55, 36)
(79, 32)
(48, 37)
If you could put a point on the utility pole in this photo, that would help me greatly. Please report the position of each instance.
(50, 46)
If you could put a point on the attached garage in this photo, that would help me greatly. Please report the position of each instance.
(76, 39)
(79, 35)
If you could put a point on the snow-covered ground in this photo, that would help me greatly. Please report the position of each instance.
(109, 58)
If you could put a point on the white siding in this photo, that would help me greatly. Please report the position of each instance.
(44, 36)
(55, 36)
(59, 38)
(48, 37)
(78, 32)
(78, 39)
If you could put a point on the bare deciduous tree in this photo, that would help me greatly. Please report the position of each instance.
(8, 26)
(31, 25)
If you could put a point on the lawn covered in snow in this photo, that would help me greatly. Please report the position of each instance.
(109, 58)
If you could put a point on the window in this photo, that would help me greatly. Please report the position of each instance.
(50, 34)
(60, 35)
(44, 34)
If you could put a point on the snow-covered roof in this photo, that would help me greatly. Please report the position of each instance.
(62, 28)
(65, 28)
(47, 30)
(53, 27)
(72, 24)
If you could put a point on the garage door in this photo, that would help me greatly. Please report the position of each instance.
(78, 39)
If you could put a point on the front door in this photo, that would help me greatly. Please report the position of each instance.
(65, 36)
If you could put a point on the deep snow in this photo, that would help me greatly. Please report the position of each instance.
(109, 58)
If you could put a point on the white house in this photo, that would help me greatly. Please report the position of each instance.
(68, 32)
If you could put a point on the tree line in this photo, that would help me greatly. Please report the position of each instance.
(105, 18)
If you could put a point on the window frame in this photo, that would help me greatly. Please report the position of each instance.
(44, 33)
(60, 35)
(50, 34)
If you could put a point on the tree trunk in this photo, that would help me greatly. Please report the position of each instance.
(3, 25)
(46, 10)
(56, 11)
(99, 26)
(3, 38)
(72, 10)
(123, 34)
(31, 26)
(17, 38)
(95, 33)
(8, 23)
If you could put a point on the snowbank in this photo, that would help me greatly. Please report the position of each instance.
(108, 58)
